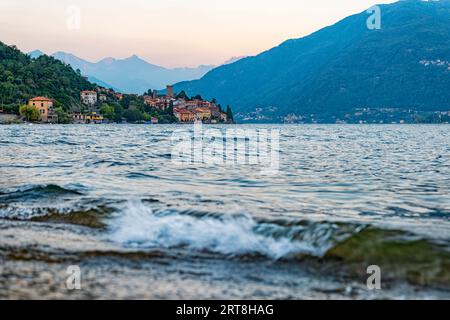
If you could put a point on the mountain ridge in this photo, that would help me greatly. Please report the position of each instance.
(129, 75)
(343, 66)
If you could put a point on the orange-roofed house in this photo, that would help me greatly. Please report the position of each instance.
(203, 114)
(45, 107)
(184, 115)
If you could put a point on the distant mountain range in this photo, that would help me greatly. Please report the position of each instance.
(405, 64)
(130, 75)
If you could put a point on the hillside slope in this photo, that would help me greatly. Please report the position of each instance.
(22, 77)
(405, 64)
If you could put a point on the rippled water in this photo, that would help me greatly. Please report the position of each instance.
(110, 199)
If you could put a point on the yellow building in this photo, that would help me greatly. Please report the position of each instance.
(94, 118)
(45, 107)
(184, 115)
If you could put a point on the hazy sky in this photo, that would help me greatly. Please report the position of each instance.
(166, 32)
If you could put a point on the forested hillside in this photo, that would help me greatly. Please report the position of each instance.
(405, 64)
(22, 77)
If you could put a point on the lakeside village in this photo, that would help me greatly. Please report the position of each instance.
(365, 115)
(104, 105)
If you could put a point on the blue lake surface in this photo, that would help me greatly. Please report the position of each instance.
(110, 199)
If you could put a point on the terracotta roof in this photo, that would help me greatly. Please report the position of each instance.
(202, 109)
(182, 111)
(88, 91)
(41, 99)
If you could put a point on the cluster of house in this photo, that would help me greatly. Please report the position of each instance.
(185, 110)
(90, 99)
(45, 107)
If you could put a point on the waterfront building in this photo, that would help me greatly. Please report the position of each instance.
(78, 118)
(94, 118)
(184, 115)
(45, 107)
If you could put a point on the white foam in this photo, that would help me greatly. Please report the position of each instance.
(138, 226)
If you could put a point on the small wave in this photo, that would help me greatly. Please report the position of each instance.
(138, 226)
(66, 142)
(139, 175)
(37, 191)
(107, 163)
(89, 216)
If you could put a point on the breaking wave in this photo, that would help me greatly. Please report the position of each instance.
(348, 247)
(138, 226)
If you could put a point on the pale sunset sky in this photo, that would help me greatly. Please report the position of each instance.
(170, 33)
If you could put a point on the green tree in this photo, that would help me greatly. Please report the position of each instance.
(133, 115)
(182, 95)
(30, 113)
(63, 116)
(118, 111)
(108, 112)
(170, 108)
(230, 114)
(12, 108)
(147, 117)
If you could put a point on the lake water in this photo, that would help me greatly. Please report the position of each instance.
(110, 199)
